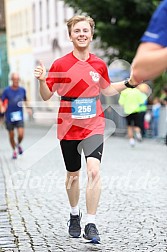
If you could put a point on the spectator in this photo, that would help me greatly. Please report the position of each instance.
(155, 116)
(145, 90)
(163, 97)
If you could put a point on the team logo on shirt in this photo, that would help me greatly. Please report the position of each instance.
(95, 76)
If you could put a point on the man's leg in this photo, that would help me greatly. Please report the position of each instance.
(130, 120)
(131, 135)
(12, 142)
(93, 189)
(137, 127)
(10, 129)
(138, 133)
(72, 188)
(73, 192)
(20, 134)
(72, 161)
(11, 139)
(93, 149)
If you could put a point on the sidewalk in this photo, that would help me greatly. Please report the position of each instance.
(33, 204)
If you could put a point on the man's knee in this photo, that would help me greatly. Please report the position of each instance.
(71, 178)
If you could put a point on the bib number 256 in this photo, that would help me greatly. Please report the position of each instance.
(84, 109)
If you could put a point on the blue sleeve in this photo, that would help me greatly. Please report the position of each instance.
(23, 93)
(157, 29)
(25, 97)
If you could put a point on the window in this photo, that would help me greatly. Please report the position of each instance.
(56, 12)
(33, 18)
(40, 16)
(65, 12)
(47, 13)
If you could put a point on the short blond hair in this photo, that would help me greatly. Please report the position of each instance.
(78, 18)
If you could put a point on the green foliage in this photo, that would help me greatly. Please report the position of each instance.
(159, 84)
(119, 24)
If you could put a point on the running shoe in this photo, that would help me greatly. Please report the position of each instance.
(14, 155)
(132, 142)
(74, 225)
(20, 150)
(91, 233)
(138, 136)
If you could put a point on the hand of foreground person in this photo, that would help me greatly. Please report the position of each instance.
(133, 80)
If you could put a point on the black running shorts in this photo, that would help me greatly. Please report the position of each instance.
(11, 125)
(133, 119)
(71, 150)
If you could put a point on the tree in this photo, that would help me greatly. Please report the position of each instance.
(119, 24)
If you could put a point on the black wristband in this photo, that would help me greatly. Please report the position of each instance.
(127, 84)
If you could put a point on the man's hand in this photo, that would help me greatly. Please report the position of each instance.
(40, 72)
(29, 111)
(132, 79)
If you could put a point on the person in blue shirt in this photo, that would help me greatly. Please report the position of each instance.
(14, 96)
(151, 56)
(156, 107)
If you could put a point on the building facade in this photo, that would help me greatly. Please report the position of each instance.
(36, 31)
(49, 34)
(4, 67)
(19, 30)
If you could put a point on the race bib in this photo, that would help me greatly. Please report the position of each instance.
(83, 108)
(16, 116)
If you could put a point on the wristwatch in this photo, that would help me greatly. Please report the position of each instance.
(127, 84)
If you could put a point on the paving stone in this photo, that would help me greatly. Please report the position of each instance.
(132, 211)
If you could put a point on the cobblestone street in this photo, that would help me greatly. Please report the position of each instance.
(34, 209)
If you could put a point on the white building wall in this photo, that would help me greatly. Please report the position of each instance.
(45, 40)
(34, 35)
(18, 24)
(50, 42)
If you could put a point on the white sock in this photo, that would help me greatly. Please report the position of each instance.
(75, 210)
(90, 218)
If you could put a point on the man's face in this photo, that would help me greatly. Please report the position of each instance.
(15, 80)
(81, 35)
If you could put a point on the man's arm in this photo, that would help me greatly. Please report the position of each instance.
(113, 89)
(116, 87)
(28, 107)
(40, 73)
(150, 61)
(1, 107)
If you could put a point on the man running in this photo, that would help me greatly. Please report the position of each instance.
(13, 96)
(78, 78)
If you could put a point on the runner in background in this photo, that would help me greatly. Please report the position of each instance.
(12, 98)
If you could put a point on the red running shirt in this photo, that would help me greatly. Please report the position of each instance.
(71, 77)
